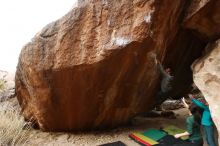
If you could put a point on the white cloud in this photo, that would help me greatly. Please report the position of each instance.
(21, 20)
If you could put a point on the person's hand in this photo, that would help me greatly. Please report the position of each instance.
(153, 57)
(184, 103)
(177, 136)
(155, 60)
(190, 96)
(183, 99)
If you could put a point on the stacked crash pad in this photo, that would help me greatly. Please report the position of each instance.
(155, 137)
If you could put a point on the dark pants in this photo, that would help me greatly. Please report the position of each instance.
(169, 140)
(161, 97)
(196, 143)
(190, 143)
(209, 133)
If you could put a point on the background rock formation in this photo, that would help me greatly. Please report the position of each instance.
(207, 77)
(93, 68)
(204, 19)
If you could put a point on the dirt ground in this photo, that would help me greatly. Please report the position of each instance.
(39, 138)
(100, 137)
(94, 138)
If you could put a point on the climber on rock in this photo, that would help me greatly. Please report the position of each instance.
(166, 84)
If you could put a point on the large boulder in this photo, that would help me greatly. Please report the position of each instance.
(93, 68)
(203, 17)
(206, 71)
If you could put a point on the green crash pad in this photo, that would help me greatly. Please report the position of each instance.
(172, 130)
(154, 134)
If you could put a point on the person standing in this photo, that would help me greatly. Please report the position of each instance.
(206, 122)
(193, 123)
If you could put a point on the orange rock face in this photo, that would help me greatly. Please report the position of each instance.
(204, 18)
(93, 69)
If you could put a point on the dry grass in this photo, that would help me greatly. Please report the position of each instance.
(11, 127)
(1, 84)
